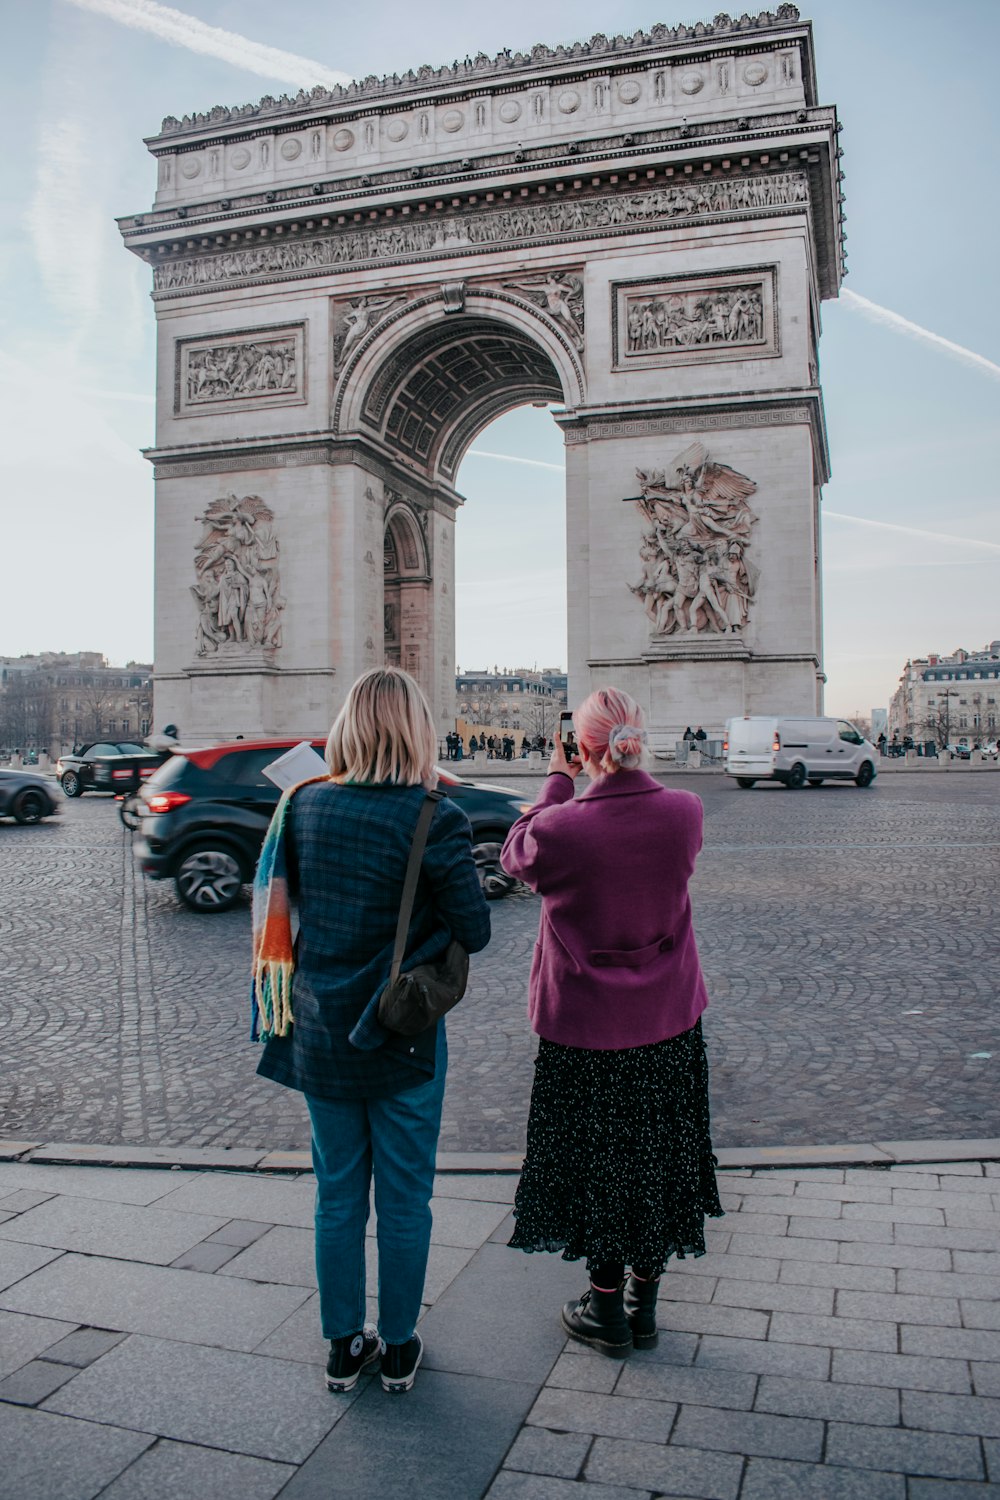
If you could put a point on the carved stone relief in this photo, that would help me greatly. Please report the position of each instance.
(677, 320)
(251, 367)
(238, 588)
(449, 233)
(355, 319)
(560, 295)
(696, 576)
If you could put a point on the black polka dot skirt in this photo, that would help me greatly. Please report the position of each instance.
(619, 1164)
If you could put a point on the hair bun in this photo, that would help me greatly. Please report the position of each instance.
(625, 744)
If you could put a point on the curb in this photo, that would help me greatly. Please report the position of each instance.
(876, 1154)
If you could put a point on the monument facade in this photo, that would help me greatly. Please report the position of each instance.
(349, 285)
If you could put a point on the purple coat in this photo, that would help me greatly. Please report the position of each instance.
(616, 964)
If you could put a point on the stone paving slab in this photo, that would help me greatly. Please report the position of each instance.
(180, 1471)
(243, 1403)
(154, 1300)
(105, 1183)
(50, 1457)
(18, 1261)
(121, 1230)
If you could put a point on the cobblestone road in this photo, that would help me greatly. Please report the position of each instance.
(849, 940)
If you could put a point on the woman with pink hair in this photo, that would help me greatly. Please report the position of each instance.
(619, 1168)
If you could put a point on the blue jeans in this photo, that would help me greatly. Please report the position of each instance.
(397, 1139)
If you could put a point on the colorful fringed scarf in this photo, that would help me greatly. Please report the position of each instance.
(273, 954)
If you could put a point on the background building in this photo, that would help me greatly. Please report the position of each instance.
(949, 698)
(513, 700)
(58, 699)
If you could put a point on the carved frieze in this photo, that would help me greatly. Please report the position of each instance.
(251, 367)
(687, 319)
(353, 320)
(559, 294)
(447, 234)
(697, 578)
(238, 584)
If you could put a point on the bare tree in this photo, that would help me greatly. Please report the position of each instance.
(98, 698)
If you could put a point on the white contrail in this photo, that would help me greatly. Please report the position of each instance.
(509, 458)
(889, 319)
(930, 536)
(182, 30)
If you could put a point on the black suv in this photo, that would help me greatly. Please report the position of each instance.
(205, 813)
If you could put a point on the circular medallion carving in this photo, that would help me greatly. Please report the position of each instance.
(190, 166)
(569, 102)
(240, 158)
(509, 111)
(396, 130)
(754, 74)
(291, 148)
(452, 120)
(691, 83)
(629, 91)
(343, 140)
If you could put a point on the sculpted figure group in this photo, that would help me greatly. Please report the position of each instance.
(696, 576)
(238, 592)
(734, 315)
(233, 370)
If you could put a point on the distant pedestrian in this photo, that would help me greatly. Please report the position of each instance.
(688, 733)
(700, 734)
(341, 845)
(167, 739)
(619, 1166)
(473, 745)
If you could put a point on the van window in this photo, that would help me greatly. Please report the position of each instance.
(849, 733)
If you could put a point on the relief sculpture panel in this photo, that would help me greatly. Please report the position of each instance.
(240, 370)
(238, 589)
(697, 578)
(684, 319)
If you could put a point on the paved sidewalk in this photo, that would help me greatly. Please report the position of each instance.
(159, 1340)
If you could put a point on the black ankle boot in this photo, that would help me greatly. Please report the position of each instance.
(598, 1319)
(640, 1310)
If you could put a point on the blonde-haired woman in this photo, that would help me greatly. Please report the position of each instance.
(619, 1167)
(374, 1098)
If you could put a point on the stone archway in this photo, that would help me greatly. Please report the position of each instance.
(351, 284)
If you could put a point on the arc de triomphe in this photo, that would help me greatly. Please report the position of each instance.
(350, 284)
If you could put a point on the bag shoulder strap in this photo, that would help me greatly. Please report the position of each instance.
(410, 880)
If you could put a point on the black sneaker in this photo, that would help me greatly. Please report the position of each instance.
(399, 1364)
(351, 1357)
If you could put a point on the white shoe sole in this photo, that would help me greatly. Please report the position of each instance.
(338, 1385)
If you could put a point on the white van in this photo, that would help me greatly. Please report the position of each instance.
(794, 751)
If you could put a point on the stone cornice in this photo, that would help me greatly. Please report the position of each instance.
(718, 413)
(482, 73)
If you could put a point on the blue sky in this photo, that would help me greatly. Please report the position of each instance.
(913, 430)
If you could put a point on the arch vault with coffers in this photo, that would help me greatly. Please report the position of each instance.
(351, 284)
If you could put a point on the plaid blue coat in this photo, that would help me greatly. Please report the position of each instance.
(347, 853)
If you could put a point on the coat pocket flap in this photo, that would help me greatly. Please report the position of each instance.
(631, 958)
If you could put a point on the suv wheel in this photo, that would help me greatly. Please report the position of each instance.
(866, 774)
(209, 878)
(30, 807)
(492, 876)
(71, 784)
(796, 777)
(746, 782)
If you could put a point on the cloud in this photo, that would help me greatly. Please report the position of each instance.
(182, 30)
(63, 212)
(509, 458)
(889, 319)
(929, 536)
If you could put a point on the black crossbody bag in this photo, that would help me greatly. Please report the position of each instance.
(414, 1001)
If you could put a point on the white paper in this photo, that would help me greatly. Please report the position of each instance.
(300, 763)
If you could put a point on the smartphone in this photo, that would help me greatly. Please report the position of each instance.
(567, 735)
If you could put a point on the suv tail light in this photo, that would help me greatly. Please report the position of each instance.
(725, 747)
(777, 742)
(164, 802)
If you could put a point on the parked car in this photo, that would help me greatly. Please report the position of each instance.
(107, 766)
(205, 812)
(26, 797)
(793, 751)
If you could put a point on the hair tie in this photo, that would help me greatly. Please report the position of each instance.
(625, 742)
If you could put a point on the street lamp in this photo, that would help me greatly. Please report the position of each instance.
(947, 695)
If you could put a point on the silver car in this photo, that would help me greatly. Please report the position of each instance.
(26, 797)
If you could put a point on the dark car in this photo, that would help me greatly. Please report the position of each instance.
(107, 766)
(26, 797)
(205, 814)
